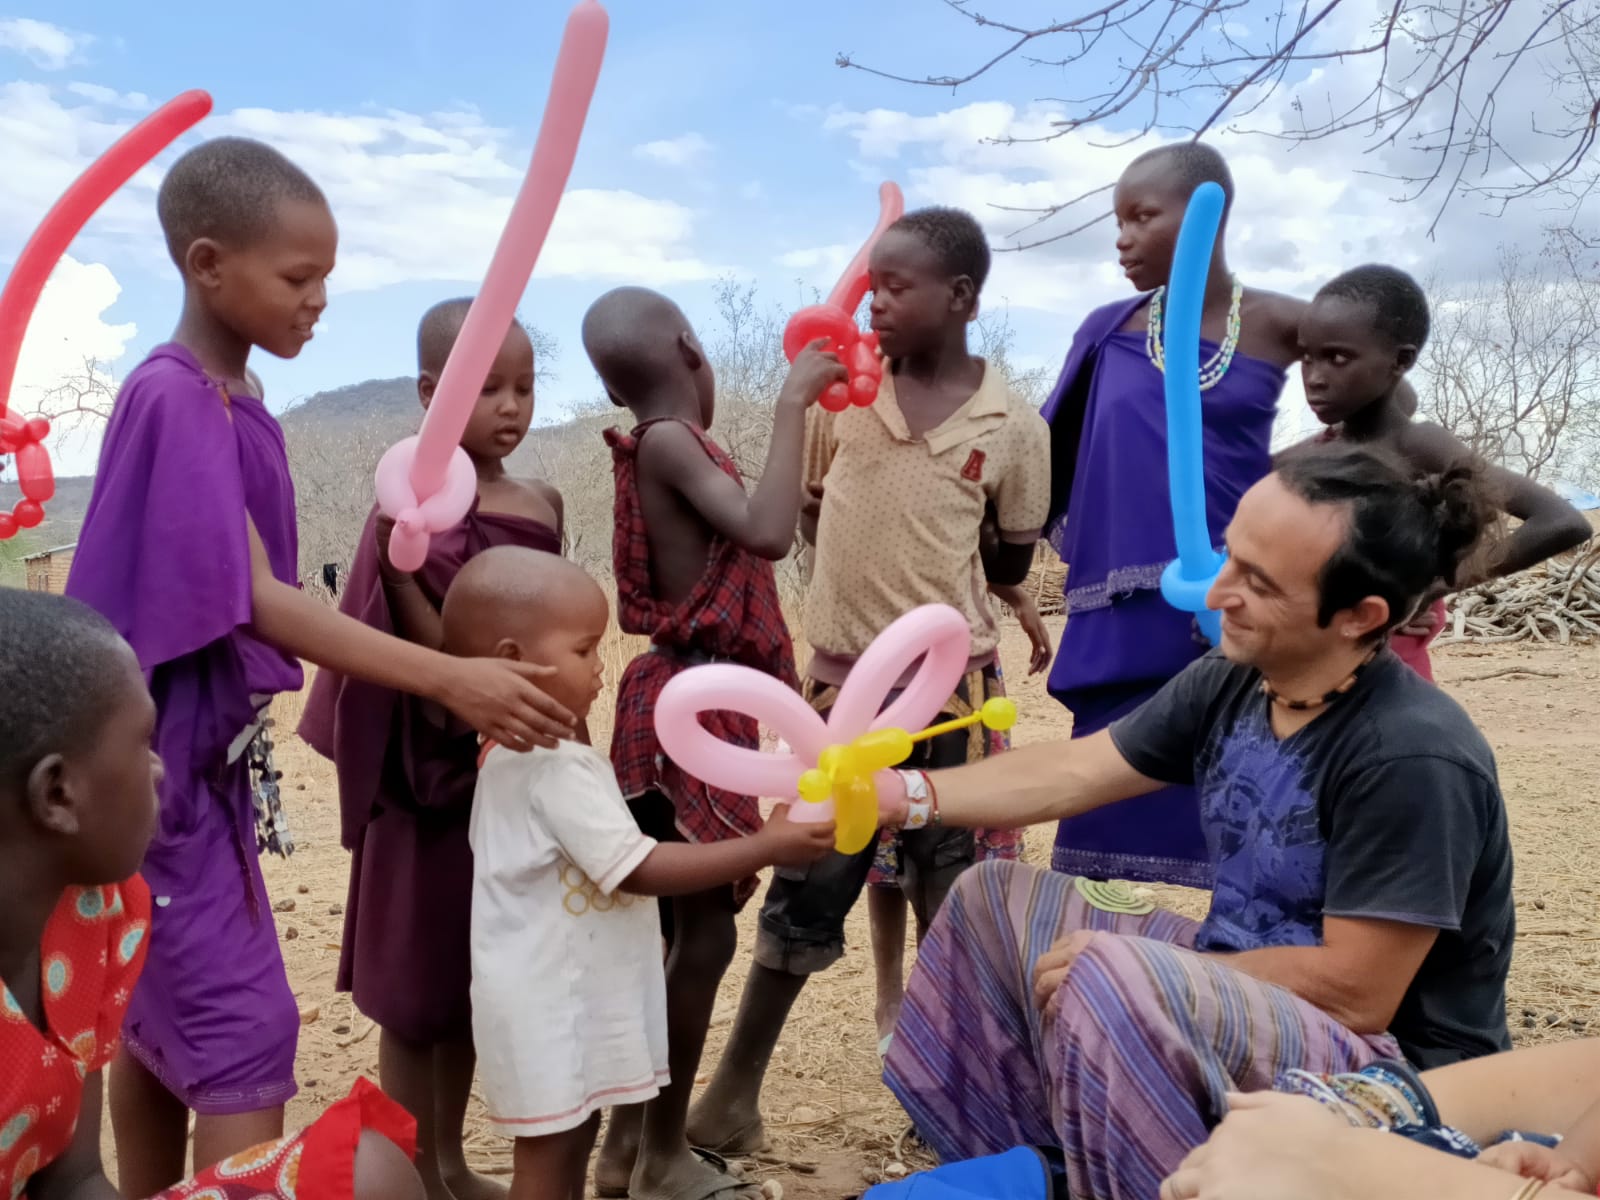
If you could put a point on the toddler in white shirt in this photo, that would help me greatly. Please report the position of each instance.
(568, 988)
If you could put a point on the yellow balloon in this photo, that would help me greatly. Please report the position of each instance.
(999, 714)
(815, 786)
(855, 813)
(881, 749)
(831, 760)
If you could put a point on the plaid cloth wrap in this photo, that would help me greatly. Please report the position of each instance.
(732, 615)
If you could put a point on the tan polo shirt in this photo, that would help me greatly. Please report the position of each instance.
(901, 515)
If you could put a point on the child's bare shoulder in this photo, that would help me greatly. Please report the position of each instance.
(1427, 446)
(531, 498)
(669, 449)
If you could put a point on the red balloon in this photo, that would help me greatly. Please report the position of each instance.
(38, 259)
(819, 321)
(37, 480)
(836, 321)
(853, 284)
(77, 204)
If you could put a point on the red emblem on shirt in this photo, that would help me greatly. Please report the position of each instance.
(974, 468)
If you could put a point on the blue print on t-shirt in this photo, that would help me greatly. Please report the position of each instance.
(1261, 825)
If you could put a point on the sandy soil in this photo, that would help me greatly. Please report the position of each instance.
(834, 1126)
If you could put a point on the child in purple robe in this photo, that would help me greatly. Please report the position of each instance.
(189, 549)
(1111, 515)
(407, 772)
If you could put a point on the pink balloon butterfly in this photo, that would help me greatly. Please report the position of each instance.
(934, 639)
(835, 319)
(427, 483)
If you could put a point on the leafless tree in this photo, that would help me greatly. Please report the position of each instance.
(77, 406)
(1512, 367)
(1438, 91)
(332, 473)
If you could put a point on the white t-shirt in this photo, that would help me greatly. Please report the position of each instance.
(569, 1002)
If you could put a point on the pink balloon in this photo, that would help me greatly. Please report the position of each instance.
(415, 520)
(934, 639)
(429, 462)
(723, 686)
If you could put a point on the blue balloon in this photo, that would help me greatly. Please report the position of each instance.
(1187, 580)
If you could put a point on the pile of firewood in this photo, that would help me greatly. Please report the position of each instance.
(1557, 603)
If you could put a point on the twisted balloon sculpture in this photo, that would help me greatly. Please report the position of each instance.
(24, 437)
(835, 319)
(426, 483)
(1188, 578)
(829, 765)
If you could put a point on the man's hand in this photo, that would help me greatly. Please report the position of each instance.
(1050, 972)
(1533, 1161)
(893, 805)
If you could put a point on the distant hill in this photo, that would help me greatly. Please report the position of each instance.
(335, 439)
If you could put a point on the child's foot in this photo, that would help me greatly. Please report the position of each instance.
(464, 1184)
(886, 1016)
(619, 1151)
(690, 1176)
(728, 1133)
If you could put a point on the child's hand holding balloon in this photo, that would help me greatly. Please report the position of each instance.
(792, 843)
(815, 369)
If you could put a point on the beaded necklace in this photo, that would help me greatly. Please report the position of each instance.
(1327, 698)
(1216, 367)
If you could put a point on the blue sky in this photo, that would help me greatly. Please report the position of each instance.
(723, 142)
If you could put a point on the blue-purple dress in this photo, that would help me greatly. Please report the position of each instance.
(1111, 521)
(165, 555)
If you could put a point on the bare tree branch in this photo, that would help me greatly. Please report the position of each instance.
(1436, 83)
(1512, 366)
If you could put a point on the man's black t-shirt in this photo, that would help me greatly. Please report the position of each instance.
(1386, 806)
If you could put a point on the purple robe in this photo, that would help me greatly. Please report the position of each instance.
(1111, 521)
(407, 771)
(164, 554)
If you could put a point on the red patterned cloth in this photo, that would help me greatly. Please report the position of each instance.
(732, 615)
(89, 960)
(318, 1163)
(91, 953)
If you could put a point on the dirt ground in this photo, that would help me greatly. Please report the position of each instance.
(834, 1127)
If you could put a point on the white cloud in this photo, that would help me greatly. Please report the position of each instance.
(110, 97)
(1302, 215)
(683, 151)
(418, 197)
(819, 259)
(48, 47)
(68, 337)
